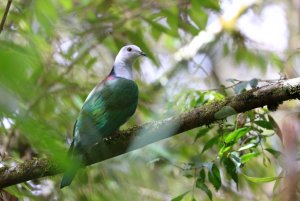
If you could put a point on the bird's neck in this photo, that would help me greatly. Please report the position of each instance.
(122, 69)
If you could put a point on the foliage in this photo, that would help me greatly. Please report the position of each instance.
(52, 53)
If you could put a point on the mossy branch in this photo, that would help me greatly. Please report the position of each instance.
(139, 136)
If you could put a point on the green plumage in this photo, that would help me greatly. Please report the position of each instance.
(108, 106)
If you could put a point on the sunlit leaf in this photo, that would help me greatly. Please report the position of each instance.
(224, 149)
(248, 146)
(180, 197)
(249, 156)
(237, 134)
(46, 15)
(16, 63)
(260, 179)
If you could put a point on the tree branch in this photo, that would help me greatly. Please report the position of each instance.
(5, 15)
(139, 136)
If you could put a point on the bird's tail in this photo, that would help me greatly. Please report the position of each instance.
(68, 177)
(75, 164)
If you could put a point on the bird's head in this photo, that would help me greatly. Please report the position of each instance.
(129, 53)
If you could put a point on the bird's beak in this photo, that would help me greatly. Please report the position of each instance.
(143, 54)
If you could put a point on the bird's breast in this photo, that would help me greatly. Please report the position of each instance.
(121, 92)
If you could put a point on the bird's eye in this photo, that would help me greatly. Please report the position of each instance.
(129, 49)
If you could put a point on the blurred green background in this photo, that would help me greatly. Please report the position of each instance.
(53, 52)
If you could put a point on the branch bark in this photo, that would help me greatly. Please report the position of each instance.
(139, 136)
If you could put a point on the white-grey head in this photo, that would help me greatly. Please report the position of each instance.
(125, 59)
(129, 54)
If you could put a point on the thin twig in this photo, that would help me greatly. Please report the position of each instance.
(5, 14)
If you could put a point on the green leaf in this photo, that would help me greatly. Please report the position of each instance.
(188, 174)
(46, 14)
(264, 124)
(224, 112)
(200, 184)
(180, 197)
(231, 169)
(172, 17)
(237, 134)
(266, 160)
(277, 182)
(248, 156)
(67, 4)
(202, 175)
(15, 191)
(201, 132)
(90, 62)
(190, 28)
(248, 146)
(261, 179)
(243, 55)
(224, 149)
(211, 4)
(214, 177)
(210, 143)
(198, 16)
(161, 28)
(274, 152)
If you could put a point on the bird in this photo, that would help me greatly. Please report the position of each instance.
(108, 106)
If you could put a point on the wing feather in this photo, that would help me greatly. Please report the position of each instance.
(105, 110)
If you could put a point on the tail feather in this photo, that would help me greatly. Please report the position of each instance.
(68, 177)
(75, 159)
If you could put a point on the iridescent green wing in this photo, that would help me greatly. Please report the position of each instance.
(106, 109)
